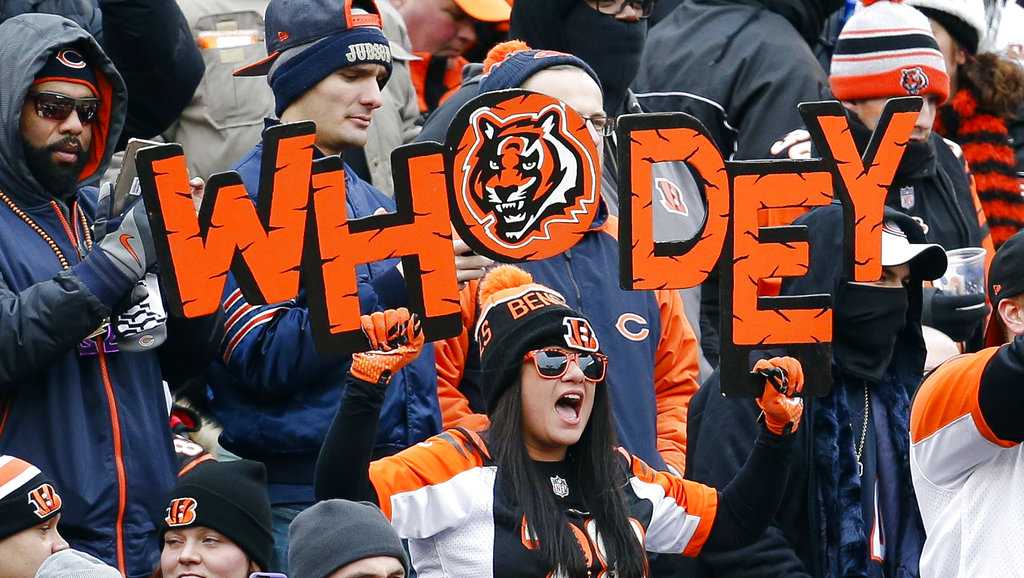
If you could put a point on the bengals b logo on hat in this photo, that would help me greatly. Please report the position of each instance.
(45, 500)
(579, 334)
(181, 512)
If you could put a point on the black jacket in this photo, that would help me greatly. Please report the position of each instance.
(739, 66)
(799, 543)
(151, 46)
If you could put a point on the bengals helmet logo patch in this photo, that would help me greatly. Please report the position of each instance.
(579, 334)
(45, 500)
(524, 176)
(181, 512)
(913, 80)
(671, 196)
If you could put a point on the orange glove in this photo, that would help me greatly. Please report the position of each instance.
(784, 379)
(396, 338)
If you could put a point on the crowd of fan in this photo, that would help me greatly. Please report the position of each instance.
(228, 445)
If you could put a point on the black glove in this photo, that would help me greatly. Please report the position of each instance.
(958, 316)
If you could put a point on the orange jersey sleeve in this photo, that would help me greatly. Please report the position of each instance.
(675, 377)
(450, 362)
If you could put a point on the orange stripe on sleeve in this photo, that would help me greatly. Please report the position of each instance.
(948, 394)
(694, 498)
(434, 461)
(450, 363)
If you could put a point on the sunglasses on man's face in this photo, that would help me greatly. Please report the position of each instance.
(53, 106)
(553, 363)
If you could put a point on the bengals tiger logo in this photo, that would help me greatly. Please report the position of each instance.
(181, 512)
(45, 500)
(524, 176)
(913, 80)
(579, 334)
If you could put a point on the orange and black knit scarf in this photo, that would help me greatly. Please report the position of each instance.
(986, 145)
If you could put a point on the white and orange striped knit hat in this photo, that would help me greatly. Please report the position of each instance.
(27, 498)
(885, 50)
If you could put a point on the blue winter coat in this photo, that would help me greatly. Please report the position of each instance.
(276, 395)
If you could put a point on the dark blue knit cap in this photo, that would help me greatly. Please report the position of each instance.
(516, 67)
(309, 39)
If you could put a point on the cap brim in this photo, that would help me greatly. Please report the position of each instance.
(486, 10)
(258, 68)
(927, 260)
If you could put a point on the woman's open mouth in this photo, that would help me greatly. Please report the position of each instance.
(568, 407)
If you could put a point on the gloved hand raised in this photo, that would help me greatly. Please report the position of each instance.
(130, 245)
(784, 378)
(396, 338)
(958, 316)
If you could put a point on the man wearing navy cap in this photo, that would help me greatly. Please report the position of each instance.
(274, 394)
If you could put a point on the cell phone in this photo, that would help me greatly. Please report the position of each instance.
(126, 187)
(267, 575)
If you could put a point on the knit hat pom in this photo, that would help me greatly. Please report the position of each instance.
(502, 51)
(501, 278)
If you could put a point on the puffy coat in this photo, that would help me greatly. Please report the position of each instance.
(276, 395)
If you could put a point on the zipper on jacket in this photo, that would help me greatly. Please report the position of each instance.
(572, 278)
(115, 426)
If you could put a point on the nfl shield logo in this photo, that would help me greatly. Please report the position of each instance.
(559, 486)
(907, 197)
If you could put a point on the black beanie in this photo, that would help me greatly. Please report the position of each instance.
(517, 316)
(68, 64)
(27, 498)
(229, 497)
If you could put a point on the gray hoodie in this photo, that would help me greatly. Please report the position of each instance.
(74, 564)
(26, 42)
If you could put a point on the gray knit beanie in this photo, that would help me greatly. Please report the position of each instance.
(334, 533)
(74, 564)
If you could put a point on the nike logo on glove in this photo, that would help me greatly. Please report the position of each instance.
(125, 239)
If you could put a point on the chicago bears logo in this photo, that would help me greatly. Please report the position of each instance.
(671, 196)
(71, 58)
(524, 178)
(45, 500)
(632, 327)
(913, 80)
(181, 512)
(579, 334)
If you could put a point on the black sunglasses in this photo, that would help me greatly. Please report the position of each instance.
(553, 363)
(615, 7)
(53, 106)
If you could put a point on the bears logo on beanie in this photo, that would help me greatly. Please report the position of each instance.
(27, 498)
(886, 50)
(229, 497)
(517, 316)
(68, 64)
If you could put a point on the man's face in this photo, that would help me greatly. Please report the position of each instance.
(341, 105)
(437, 27)
(576, 89)
(56, 150)
(23, 553)
(870, 111)
(378, 567)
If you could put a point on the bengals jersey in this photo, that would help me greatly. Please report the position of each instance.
(445, 496)
(968, 466)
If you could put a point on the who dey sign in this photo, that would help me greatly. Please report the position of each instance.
(518, 178)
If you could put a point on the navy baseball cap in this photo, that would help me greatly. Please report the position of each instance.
(1006, 273)
(291, 23)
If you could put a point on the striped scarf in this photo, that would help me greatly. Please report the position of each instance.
(986, 146)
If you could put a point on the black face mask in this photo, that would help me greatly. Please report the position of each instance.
(611, 47)
(918, 160)
(866, 322)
